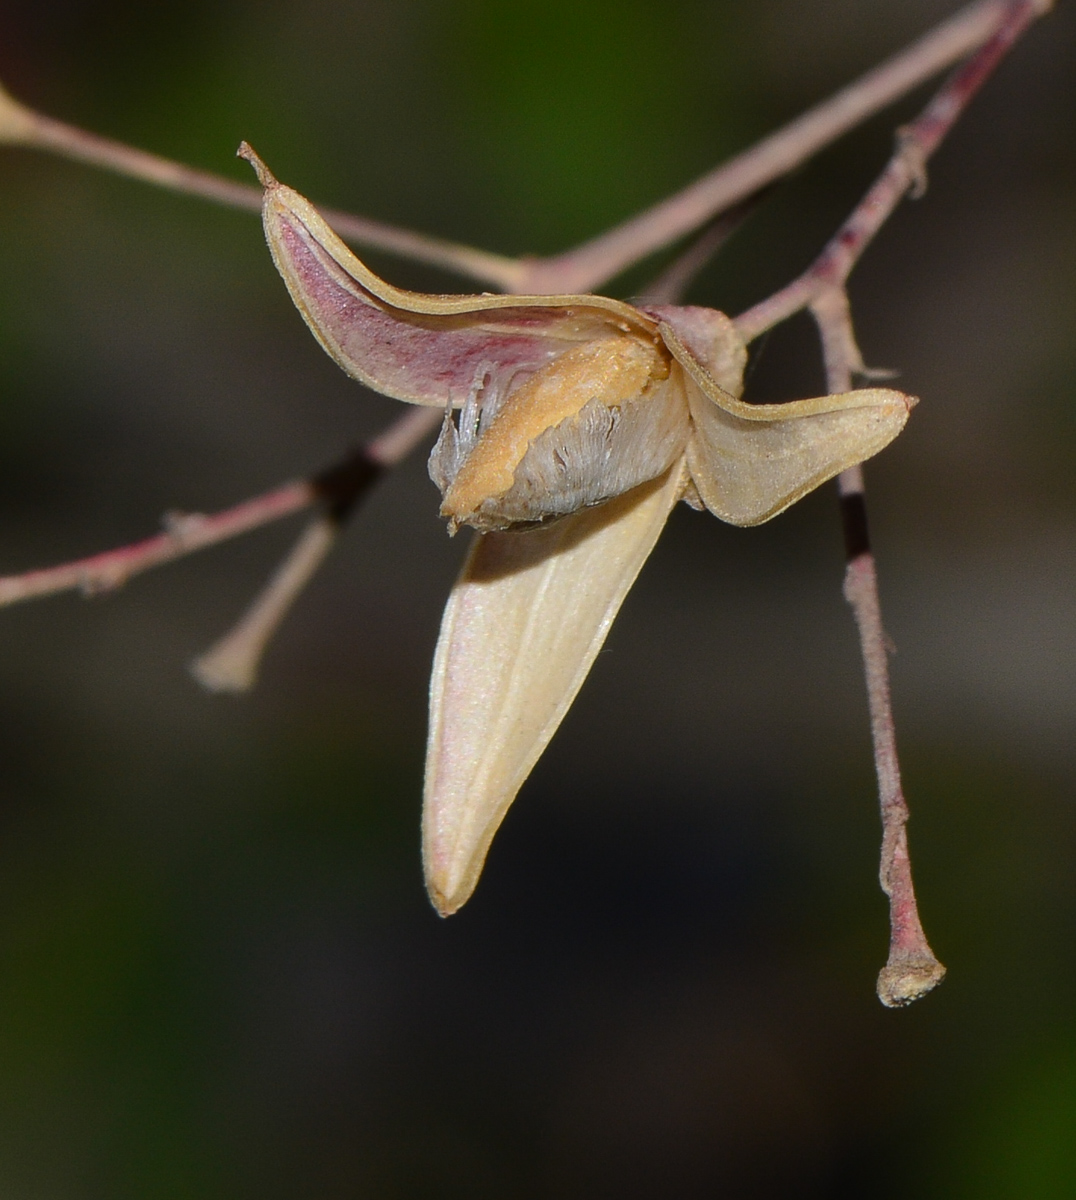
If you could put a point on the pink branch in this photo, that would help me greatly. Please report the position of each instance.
(184, 533)
(337, 489)
(22, 126)
(591, 264)
(905, 171)
(912, 970)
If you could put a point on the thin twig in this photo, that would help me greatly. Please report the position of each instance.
(905, 171)
(23, 126)
(336, 489)
(912, 970)
(184, 533)
(589, 265)
(231, 664)
(593, 263)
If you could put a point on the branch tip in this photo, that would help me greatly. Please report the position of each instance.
(16, 120)
(231, 664)
(908, 977)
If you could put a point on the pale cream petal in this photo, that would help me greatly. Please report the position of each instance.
(749, 462)
(523, 626)
(747, 470)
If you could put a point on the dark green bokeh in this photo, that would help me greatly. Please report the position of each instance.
(219, 976)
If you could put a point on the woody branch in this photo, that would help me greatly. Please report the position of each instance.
(992, 25)
(593, 263)
(912, 970)
(336, 490)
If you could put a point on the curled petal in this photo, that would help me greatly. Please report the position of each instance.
(703, 338)
(415, 347)
(523, 626)
(749, 462)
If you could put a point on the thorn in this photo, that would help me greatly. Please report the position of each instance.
(876, 374)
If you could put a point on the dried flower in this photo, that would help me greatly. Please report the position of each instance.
(581, 421)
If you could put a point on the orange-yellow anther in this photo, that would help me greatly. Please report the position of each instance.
(611, 369)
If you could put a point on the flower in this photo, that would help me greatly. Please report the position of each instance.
(582, 421)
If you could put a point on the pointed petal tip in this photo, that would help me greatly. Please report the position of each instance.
(449, 900)
(265, 177)
(892, 396)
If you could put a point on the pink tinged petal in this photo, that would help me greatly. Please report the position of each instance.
(415, 347)
(523, 626)
(705, 337)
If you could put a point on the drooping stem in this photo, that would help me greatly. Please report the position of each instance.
(231, 664)
(912, 970)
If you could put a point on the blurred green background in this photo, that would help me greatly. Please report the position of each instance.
(219, 976)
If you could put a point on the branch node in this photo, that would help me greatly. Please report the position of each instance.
(181, 526)
(913, 157)
(343, 485)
